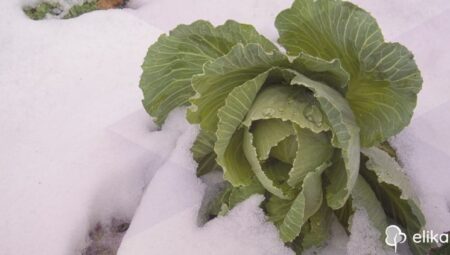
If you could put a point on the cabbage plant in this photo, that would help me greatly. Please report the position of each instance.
(306, 126)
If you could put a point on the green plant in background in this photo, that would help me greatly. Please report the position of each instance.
(306, 129)
(41, 10)
(83, 8)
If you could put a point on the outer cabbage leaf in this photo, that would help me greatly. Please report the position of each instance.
(315, 232)
(173, 60)
(392, 188)
(291, 215)
(384, 79)
(277, 209)
(236, 168)
(364, 198)
(203, 153)
(225, 92)
(219, 204)
(221, 76)
(329, 72)
(345, 137)
(239, 194)
(318, 231)
(231, 196)
(207, 164)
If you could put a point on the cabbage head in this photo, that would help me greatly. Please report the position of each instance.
(306, 126)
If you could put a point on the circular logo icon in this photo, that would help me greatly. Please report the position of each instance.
(394, 236)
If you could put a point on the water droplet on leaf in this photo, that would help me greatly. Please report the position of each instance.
(313, 114)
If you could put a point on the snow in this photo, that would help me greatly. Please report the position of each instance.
(243, 231)
(259, 13)
(175, 179)
(64, 88)
(423, 146)
(168, 213)
(424, 152)
(78, 149)
(364, 238)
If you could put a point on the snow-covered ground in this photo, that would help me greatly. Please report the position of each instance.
(76, 148)
(66, 90)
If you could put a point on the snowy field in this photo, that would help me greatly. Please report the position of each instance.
(77, 148)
